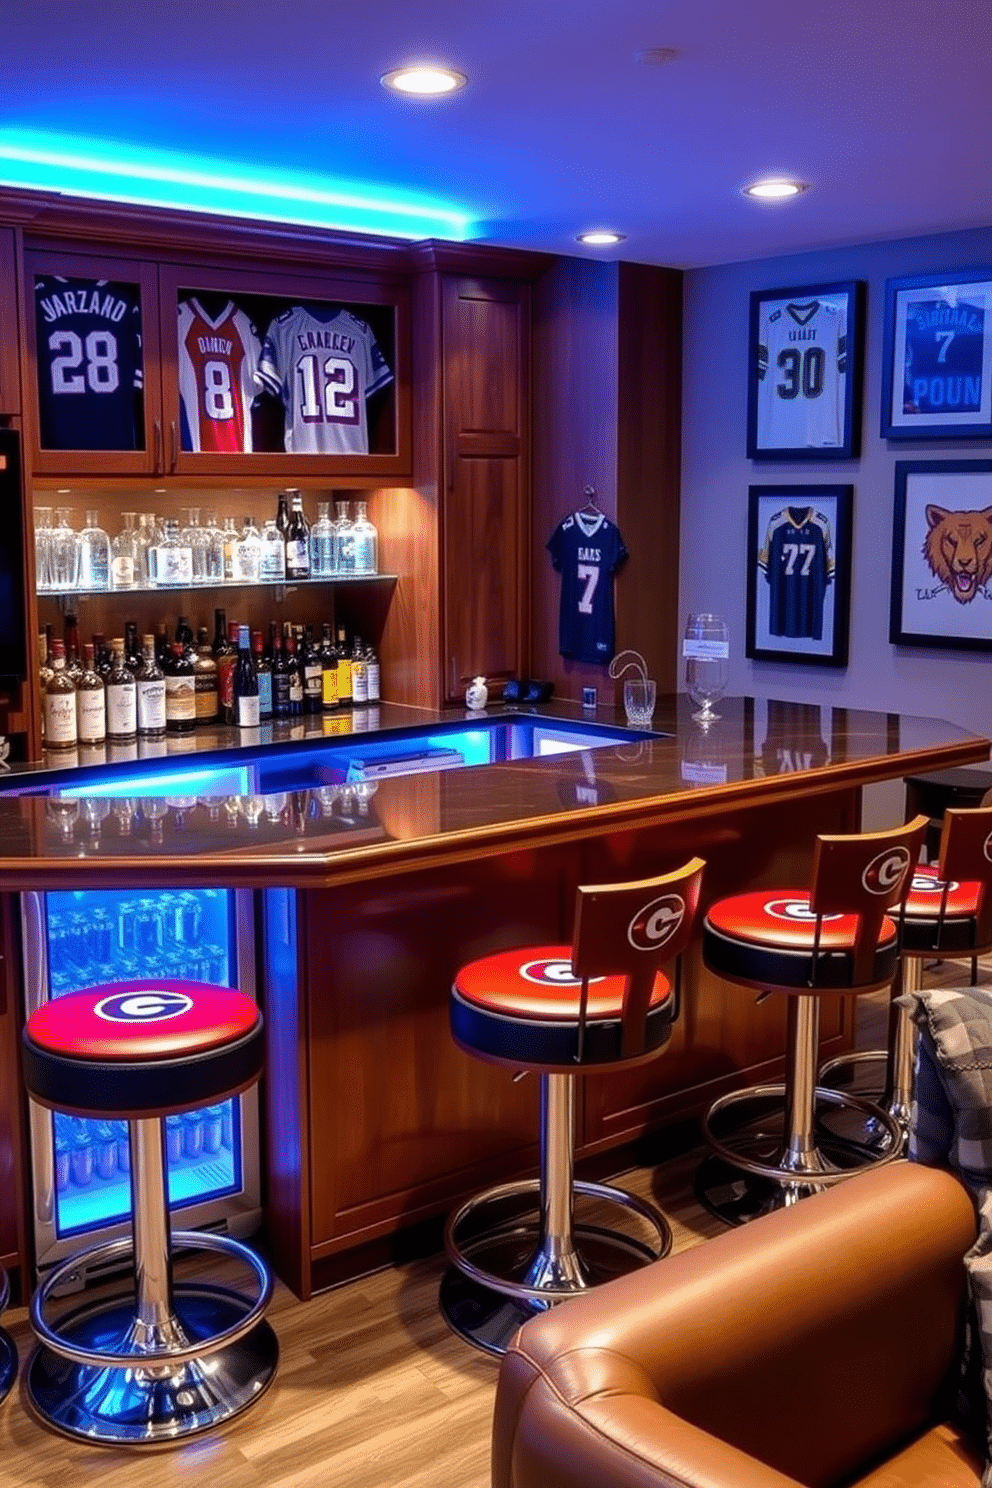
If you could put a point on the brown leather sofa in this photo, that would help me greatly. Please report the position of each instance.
(814, 1346)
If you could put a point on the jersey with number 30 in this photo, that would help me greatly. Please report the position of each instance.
(89, 363)
(218, 377)
(323, 362)
(802, 362)
(587, 551)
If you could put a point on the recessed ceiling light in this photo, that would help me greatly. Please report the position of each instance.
(600, 238)
(423, 81)
(775, 189)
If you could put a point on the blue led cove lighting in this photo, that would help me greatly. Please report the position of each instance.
(111, 171)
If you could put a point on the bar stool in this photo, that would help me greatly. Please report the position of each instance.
(166, 1361)
(947, 916)
(8, 1348)
(837, 938)
(561, 1011)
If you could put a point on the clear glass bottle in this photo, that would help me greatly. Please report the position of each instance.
(248, 554)
(150, 680)
(323, 547)
(272, 561)
(91, 704)
(145, 554)
(214, 552)
(200, 540)
(125, 564)
(122, 699)
(65, 552)
(297, 541)
(365, 540)
(173, 558)
(230, 539)
(43, 547)
(60, 704)
(94, 555)
(343, 540)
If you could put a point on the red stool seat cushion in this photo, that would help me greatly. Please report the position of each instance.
(923, 932)
(522, 1006)
(142, 1048)
(765, 937)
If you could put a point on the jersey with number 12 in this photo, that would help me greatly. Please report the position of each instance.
(323, 362)
(586, 550)
(218, 377)
(89, 363)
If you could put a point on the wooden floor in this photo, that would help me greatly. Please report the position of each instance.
(372, 1390)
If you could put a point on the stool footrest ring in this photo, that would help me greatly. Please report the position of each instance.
(776, 1172)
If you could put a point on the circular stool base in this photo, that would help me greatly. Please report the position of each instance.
(863, 1073)
(8, 1363)
(137, 1406)
(736, 1197)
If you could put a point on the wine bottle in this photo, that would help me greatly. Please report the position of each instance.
(295, 673)
(263, 671)
(329, 671)
(297, 542)
(281, 701)
(122, 699)
(73, 663)
(205, 679)
(344, 669)
(313, 674)
(246, 704)
(150, 682)
(359, 675)
(372, 668)
(226, 657)
(180, 692)
(60, 704)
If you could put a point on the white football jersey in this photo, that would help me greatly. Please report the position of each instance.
(802, 375)
(323, 362)
(218, 377)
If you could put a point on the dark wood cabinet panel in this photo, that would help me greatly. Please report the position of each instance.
(482, 595)
(10, 372)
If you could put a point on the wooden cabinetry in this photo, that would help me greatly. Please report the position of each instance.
(10, 372)
(485, 349)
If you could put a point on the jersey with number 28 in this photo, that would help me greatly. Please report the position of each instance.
(586, 550)
(323, 362)
(89, 363)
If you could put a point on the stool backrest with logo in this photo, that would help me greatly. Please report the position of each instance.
(966, 857)
(633, 930)
(865, 875)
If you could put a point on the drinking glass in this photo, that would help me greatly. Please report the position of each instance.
(43, 546)
(65, 551)
(638, 701)
(706, 649)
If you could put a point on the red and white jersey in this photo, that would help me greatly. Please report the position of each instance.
(323, 362)
(218, 377)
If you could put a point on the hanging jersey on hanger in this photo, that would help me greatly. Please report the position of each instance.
(586, 549)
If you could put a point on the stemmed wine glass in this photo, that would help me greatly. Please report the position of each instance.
(706, 649)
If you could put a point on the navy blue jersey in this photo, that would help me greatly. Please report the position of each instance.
(945, 344)
(797, 560)
(89, 363)
(586, 551)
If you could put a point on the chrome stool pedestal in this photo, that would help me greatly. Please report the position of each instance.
(509, 1261)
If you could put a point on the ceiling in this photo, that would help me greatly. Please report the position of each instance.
(882, 106)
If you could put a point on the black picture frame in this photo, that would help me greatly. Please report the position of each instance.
(799, 573)
(805, 367)
(937, 356)
(941, 591)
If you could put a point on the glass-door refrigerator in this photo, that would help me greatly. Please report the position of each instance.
(81, 938)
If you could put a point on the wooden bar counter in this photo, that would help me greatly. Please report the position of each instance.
(369, 898)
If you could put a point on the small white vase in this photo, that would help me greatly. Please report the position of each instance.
(476, 694)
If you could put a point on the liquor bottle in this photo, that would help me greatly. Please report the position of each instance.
(365, 539)
(94, 555)
(122, 699)
(73, 664)
(163, 646)
(282, 514)
(180, 692)
(184, 634)
(313, 674)
(45, 672)
(322, 544)
(372, 667)
(205, 679)
(263, 671)
(282, 706)
(248, 554)
(297, 542)
(359, 675)
(230, 537)
(173, 558)
(220, 632)
(150, 681)
(213, 550)
(329, 671)
(145, 550)
(101, 656)
(91, 702)
(132, 651)
(226, 660)
(272, 562)
(344, 542)
(344, 669)
(246, 704)
(295, 673)
(125, 565)
(60, 704)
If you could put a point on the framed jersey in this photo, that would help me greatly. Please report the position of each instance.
(804, 372)
(937, 357)
(799, 573)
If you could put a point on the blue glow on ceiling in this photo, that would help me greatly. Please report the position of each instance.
(113, 171)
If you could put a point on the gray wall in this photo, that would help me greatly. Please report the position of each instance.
(716, 474)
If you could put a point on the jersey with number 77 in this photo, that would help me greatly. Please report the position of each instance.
(323, 362)
(586, 550)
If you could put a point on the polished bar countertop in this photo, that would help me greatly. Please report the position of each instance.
(336, 829)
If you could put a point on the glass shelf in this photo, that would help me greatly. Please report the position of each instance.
(219, 586)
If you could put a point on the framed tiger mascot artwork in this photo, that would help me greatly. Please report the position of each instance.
(942, 555)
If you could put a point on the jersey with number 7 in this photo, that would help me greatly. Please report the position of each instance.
(323, 362)
(586, 550)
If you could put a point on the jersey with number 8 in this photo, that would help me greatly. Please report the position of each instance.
(89, 363)
(218, 376)
(586, 550)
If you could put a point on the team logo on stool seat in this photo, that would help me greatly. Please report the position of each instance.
(557, 973)
(656, 923)
(926, 883)
(794, 909)
(154, 1005)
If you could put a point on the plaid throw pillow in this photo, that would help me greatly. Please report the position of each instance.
(951, 1126)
